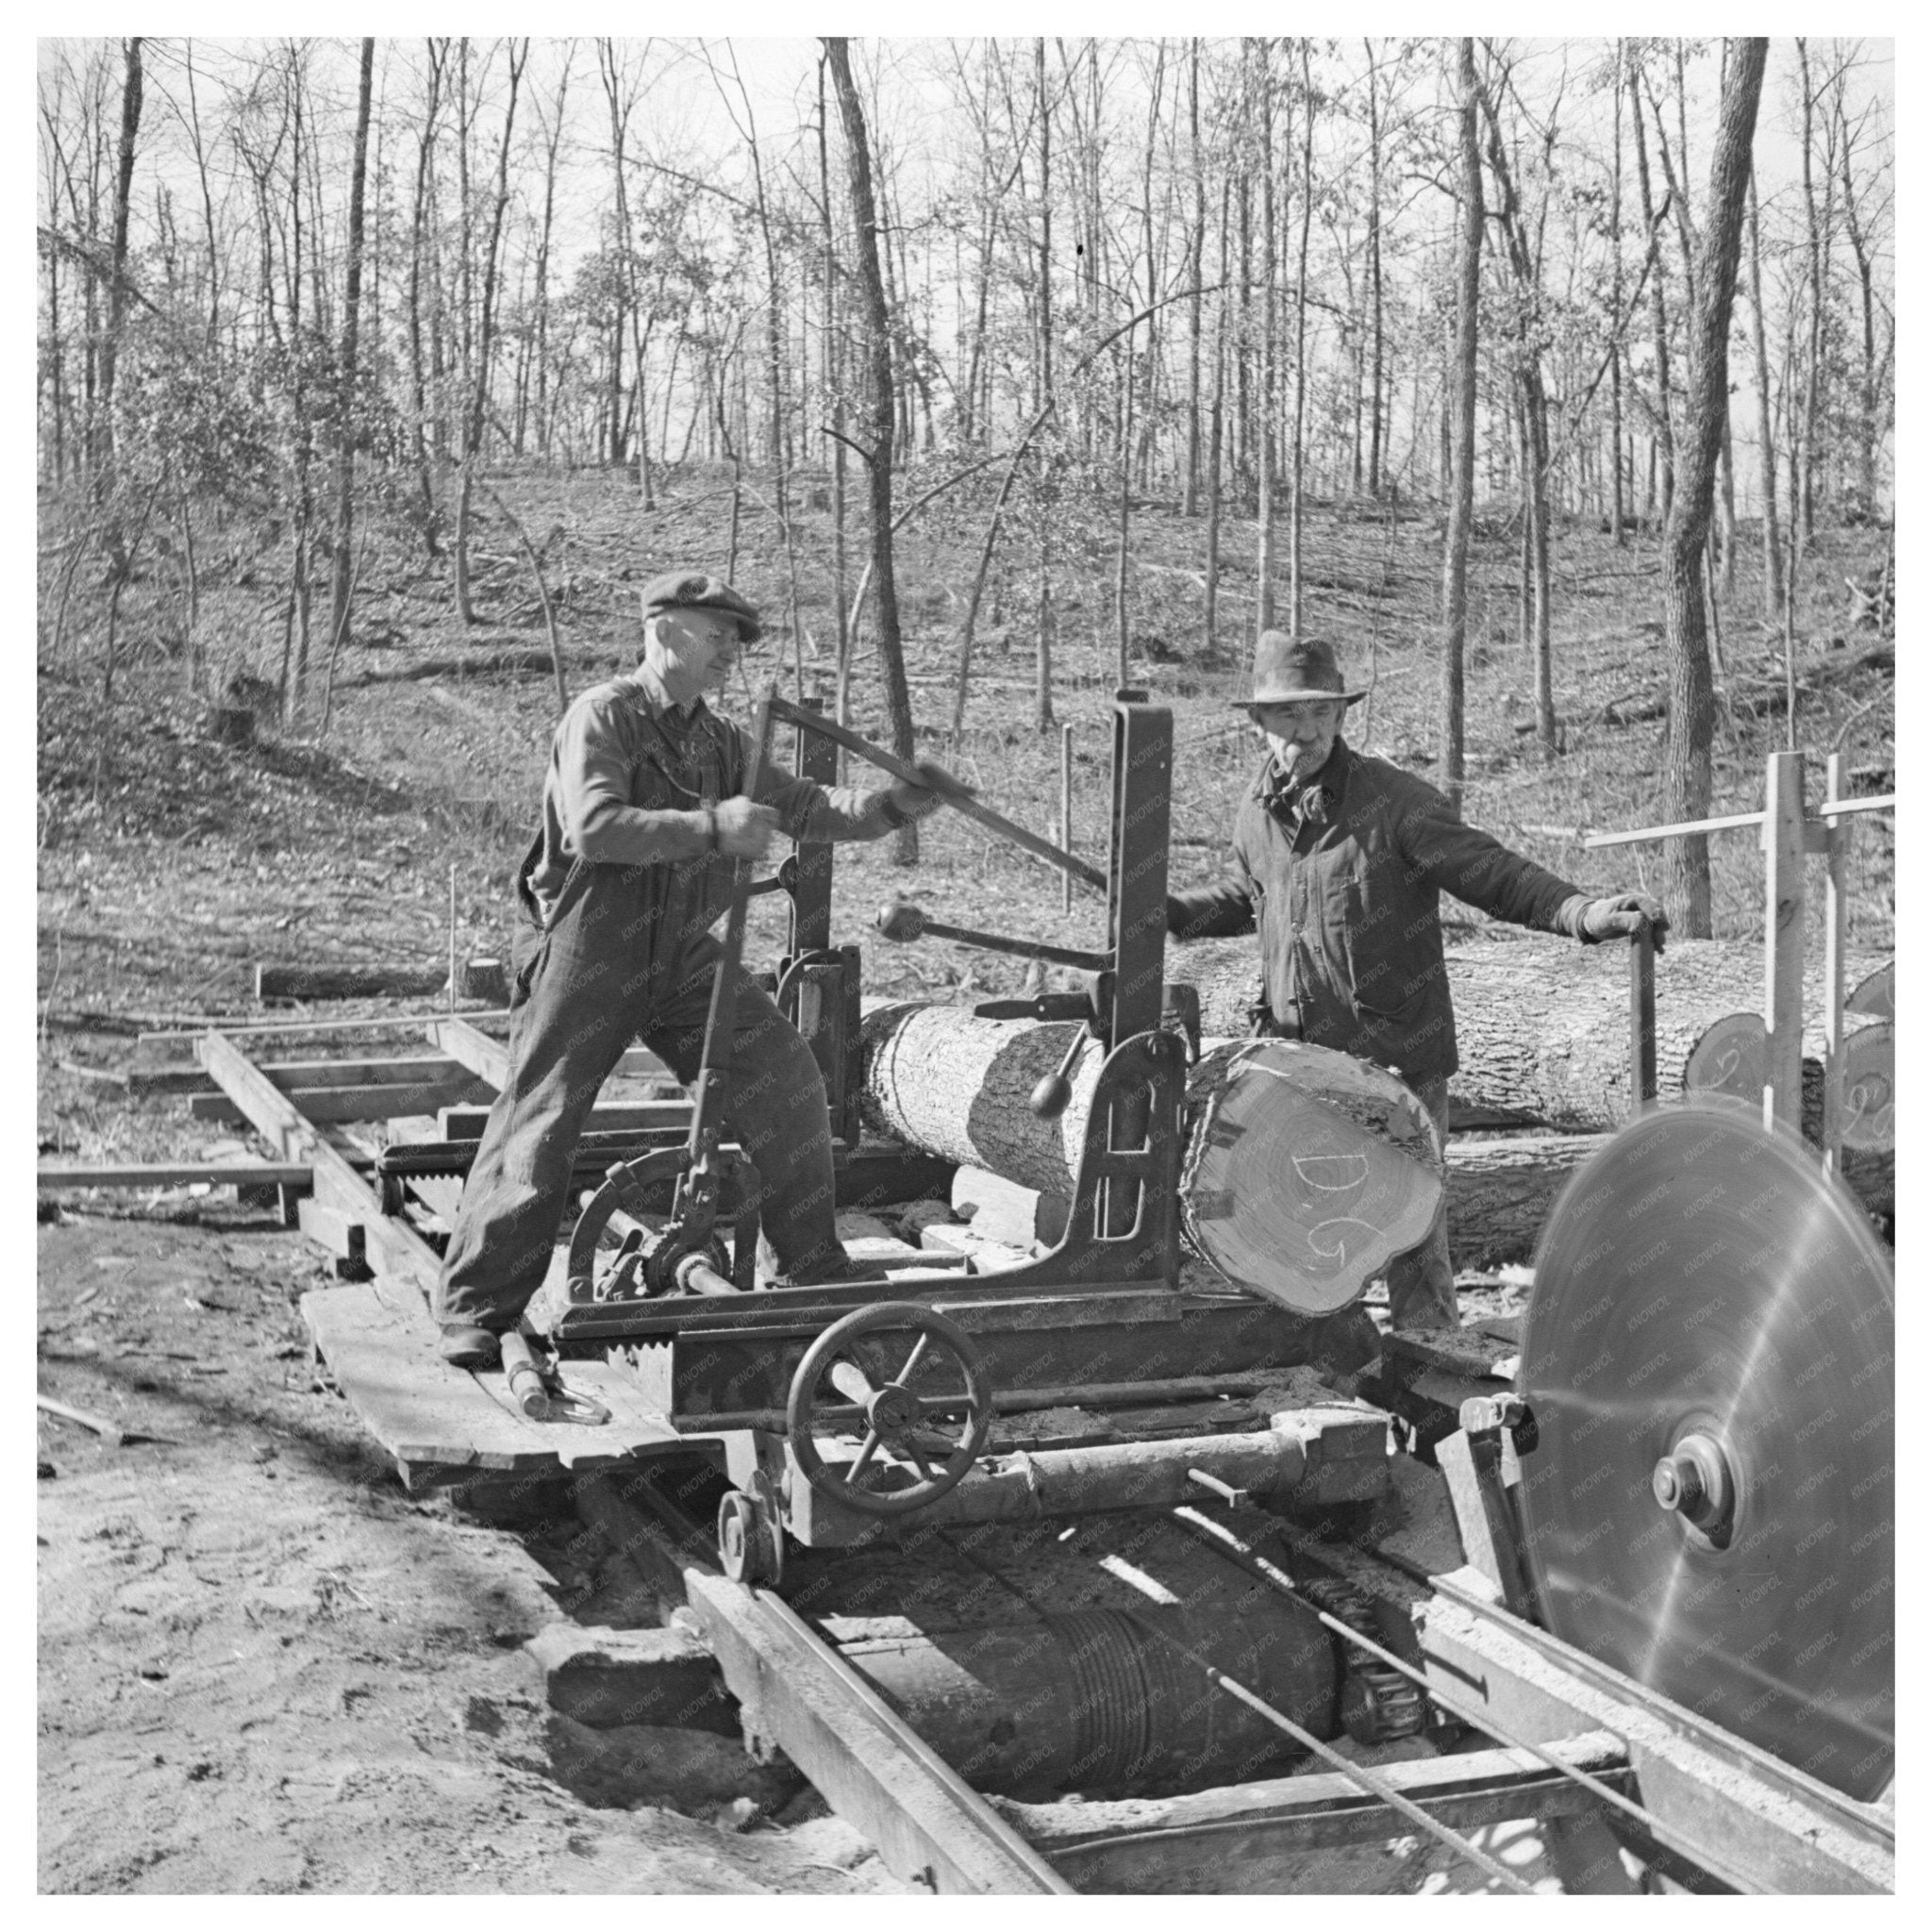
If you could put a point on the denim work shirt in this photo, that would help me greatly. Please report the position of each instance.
(1343, 877)
(630, 784)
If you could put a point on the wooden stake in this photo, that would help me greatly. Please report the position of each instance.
(1838, 837)
(1784, 933)
(452, 938)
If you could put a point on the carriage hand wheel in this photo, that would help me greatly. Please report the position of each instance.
(899, 1416)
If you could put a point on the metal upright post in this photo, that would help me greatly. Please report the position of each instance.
(811, 896)
(1642, 1020)
(1784, 936)
(1067, 812)
(1137, 904)
(1838, 833)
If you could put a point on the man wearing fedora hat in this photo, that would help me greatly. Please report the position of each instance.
(644, 810)
(1340, 860)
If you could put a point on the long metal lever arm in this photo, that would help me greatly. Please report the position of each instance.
(708, 1099)
(960, 800)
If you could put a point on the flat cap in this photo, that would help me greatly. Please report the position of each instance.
(692, 590)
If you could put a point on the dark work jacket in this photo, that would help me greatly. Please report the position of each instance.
(630, 783)
(1344, 879)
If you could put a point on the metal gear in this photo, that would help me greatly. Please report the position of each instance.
(1375, 1704)
(1379, 1705)
(1708, 1352)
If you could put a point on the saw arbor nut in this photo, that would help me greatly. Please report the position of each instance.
(898, 1414)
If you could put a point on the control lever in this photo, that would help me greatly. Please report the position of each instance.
(1050, 1097)
(902, 922)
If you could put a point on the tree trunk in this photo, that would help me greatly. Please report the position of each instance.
(1042, 376)
(1306, 1171)
(117, 257)
(1802, 508)
(1296, 460)
(1687, 753)
(1664, 444)
(1190, 480)
(352, 310)
(1267, 376)
(1375, 356)
(1617, 506)
(1468, 263)
(542, 342)
(418, 262)
(1868, 364)
(829, 377)
(879, 401)
(1216, 437)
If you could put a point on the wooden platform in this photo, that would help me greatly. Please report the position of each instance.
(445, 1425)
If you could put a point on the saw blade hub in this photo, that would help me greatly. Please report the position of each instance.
(1697, 1480)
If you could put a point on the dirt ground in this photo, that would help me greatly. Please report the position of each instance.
(263, 1667)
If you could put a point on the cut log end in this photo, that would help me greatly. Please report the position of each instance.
(1307, 1171)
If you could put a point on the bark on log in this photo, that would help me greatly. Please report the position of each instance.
(1500, 1191)
(1544, 1025)
(344, 982)
(1306, 1170)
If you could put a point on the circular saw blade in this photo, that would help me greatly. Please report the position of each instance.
(1700, 1279)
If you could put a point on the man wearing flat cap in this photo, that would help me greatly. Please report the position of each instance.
(644, 810)
(1340, 860)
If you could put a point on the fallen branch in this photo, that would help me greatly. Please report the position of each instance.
(483, 665)
(109, 1432)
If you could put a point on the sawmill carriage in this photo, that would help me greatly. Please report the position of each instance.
(1150, 1512)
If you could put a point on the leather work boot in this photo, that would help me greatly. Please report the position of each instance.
(466, 1346)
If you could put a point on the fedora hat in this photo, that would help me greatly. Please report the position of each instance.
(1290, 671)
(690, 590)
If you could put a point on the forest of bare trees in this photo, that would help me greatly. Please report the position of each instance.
(292, 287)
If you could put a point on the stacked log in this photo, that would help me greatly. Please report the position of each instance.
(1544, 1025)
(958, 1087)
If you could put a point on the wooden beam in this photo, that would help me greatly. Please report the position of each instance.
(489, 1059)
(392, 1246)
(1837, 911)
(229, 1173)
(929, 1825)
(1784, 935)
(400, 1070)
(1251, 1837)
(244, 1028)
(381, 1101)
(1729, 1807)
(459, 1122)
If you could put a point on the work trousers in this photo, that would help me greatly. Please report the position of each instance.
(1422, 1283)
(593, 987)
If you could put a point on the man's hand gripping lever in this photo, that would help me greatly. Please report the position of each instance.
(740, 828)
